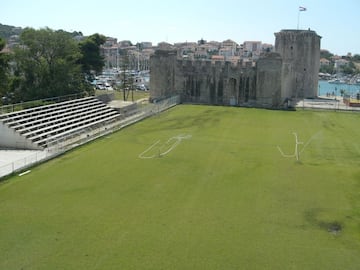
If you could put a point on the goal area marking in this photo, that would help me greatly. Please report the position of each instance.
(159, 149)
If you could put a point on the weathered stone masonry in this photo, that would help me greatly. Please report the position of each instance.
(287, 74)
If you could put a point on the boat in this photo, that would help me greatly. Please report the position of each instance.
(336, 81)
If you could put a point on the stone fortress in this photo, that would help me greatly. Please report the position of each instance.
(277, 80)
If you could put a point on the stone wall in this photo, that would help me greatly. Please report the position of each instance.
(290, 73)
(219, 83)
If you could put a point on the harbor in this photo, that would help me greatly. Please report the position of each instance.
(329, 89)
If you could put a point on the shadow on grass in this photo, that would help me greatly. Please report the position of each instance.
(312, 216)
(201, 119)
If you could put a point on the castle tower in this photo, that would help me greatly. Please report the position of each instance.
(268, 80)
(300, 52)
(162, 70)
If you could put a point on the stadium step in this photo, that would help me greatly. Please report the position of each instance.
(34, 128)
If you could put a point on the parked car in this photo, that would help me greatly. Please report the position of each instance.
(141, 87)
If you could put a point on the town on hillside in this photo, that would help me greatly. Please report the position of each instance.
(124, 60)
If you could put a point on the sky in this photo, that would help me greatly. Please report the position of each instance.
(337, 21)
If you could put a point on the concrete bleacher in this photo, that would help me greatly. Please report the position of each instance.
(34, 128)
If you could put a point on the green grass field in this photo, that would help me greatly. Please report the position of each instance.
(223, 199)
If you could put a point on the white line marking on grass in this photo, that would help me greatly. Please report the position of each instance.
(142, 155)
(160, 150)
(308, 142)
(26, 172)
(282, 153)
(296, 151)
(177, 139)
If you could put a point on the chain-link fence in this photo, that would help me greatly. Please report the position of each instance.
(335, 104)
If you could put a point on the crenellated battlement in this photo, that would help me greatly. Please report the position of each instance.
(215, 64)
(297, 33)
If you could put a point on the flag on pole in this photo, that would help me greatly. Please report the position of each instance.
(300, 10)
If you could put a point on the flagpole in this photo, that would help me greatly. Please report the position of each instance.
(298, 19)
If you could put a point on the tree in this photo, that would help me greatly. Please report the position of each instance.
(6, 31)
(349, 68)
(127, 80)
(356, 58)
(327, 69)
(47, 65)
(91, 59)
(325, 54)
(4, 72)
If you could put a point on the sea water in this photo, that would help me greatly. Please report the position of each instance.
(325, 88)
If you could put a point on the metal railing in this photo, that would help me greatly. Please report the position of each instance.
(80, 137)
(36, 103)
